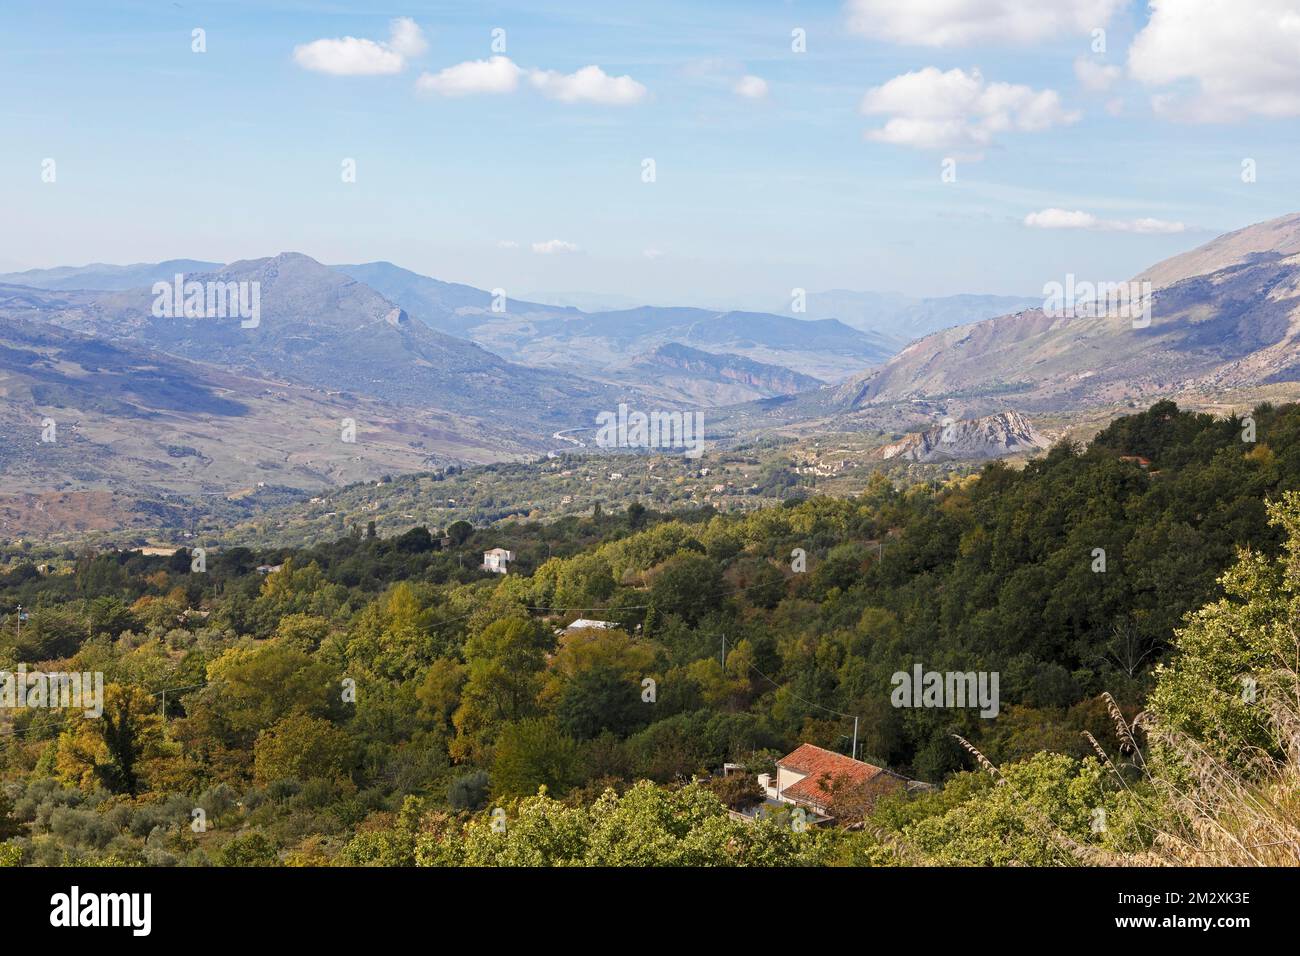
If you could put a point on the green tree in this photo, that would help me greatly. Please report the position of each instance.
(1212, 689)
(108, 751)
(534, 753)
(394, 636)
(252, 849)
(503, 663)
(688, 585)
(300, 747)
(1040, 816)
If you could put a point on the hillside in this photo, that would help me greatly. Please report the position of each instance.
(710, 378)
(1234, 326)
(478, 695)
(138, 433)
(322, 329)
(581, 342)
(99, 275)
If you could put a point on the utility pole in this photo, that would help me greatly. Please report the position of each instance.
(724, 655)
(20, 624)
(855, 738)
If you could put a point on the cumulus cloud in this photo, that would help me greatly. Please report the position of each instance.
(406, 37)
(1078, 219)
(496, 75)
(940, 23)
(554, 247)
(751, 87)
(591, 84)
(1095, 77)
(1241, 59)
(500, 74)
(355, 56)
(930, 109)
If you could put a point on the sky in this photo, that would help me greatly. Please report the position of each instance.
(929, 147)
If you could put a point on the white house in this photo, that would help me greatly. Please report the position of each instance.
(496, 560)
(586, 624)
(808, 776)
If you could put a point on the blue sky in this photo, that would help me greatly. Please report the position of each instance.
(826, 174)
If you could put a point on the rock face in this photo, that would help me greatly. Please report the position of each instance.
(994, 436)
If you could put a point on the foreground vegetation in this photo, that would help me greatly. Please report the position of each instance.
(382, 701)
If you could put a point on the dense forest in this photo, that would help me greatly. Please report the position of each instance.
(379, 700)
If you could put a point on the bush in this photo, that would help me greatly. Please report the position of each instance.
(469, 791)
(253, 849)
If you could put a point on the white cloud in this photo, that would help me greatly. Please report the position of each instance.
(354, 56)
(554, 247)
(930, 109)
(961, 22)
(349, 56)
(1095, 77)
(507, 244)
(591, 84)
(1241, 58)
(1078, 219)
(1061, 219)
(406, 37)
(751, 87)
(496, 75)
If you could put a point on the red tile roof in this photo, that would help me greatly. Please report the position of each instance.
(822, 768)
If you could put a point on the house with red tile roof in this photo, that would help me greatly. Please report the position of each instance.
(809, 777)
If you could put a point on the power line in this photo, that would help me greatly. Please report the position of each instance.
(804, 700)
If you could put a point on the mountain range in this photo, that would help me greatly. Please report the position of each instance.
(902, 318)
(1224, 319)
(432, 372)
(1226, 315)
(590, 344)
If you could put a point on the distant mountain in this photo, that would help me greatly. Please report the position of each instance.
(582, 343)
(134, 433)
(1237, 325)
(585, 301)
(1276, 238)
(902, 318)
(710, 378)
(993, 436)
(319, 327)
(101, 276)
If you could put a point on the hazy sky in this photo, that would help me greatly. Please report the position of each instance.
(773, 168)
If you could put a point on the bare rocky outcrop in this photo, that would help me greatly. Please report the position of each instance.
(993, 436)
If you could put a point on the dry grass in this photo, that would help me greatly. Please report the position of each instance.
(1224, 817)
(1209, 814)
